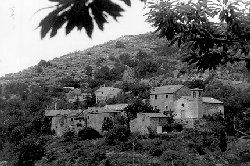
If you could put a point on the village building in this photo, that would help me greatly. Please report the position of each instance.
(148, 121)
(64, 120)
(163, 97)
(95, 116)
(104, 93)
(189, 109)
(188, 105)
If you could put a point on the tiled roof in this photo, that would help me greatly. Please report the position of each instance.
(62, 112)
(168, 89)
(205, 100)
(108, 90)
(155, 115)
(99, 110)
(116, 106)
(211, 100)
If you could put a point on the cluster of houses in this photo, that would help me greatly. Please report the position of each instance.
(188, 105)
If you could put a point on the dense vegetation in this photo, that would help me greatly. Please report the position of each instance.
(26, 137)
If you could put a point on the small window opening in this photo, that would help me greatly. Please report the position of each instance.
(199, 94)
(194, 94)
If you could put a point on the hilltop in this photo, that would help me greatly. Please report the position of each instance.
(107, 54)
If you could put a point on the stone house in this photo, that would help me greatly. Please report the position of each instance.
(146, 121)
(95, 116)
(189, 109)
(64, 120)
(104, 93)
(163, 97)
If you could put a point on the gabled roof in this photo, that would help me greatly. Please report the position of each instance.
(168, 89)
(108, 90)
(155, 115)
(62, 112)
(205, 100)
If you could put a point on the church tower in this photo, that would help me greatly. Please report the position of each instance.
(196, 98)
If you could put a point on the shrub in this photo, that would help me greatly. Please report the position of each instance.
(177, 127)
(88, 133)
(119, 44)
(118, 134)
(174, 157)
(68, 136)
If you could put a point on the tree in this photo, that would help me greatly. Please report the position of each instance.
(118, 134)
(88, 71)
(88, 133)
(223, 141)
(107, 124)
(80, 14)
(204, 41)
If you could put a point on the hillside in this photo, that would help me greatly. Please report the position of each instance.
(75, 62)
(107, 54)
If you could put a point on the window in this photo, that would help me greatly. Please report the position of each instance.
(166, 96)
(182, 105)
(166, 107)
(199, 93)
(194, 94)
(155, 96)
(71, 119)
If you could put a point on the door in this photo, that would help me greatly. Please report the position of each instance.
(182, 114)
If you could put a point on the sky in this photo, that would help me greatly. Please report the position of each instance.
(21, 45)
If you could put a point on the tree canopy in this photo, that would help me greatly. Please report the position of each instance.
(208, 33)
(80, 14)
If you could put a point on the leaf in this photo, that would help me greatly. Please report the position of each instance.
(50, 21)
(127, 2)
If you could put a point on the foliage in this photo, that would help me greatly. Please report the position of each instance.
(126, 159)
(43, 63)
(146, 68)
(117, 134)
(136, 107)
(174, 157)
(88, 133)
(80, 14)
(119, 44)
(142, 55)
(223, 141)
(127, 60)
(39, 69)
(88, 71)
(204, 42)
(107, 124)
(69, 81)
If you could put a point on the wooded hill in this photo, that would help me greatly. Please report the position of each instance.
(160, 61)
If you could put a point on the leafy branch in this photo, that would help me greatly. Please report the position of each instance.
(79, 14)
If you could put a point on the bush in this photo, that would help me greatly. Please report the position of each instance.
(88, 133)
(177, 127)
(174, 157)
(68, 136)
(118, 134)
(119, 44)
